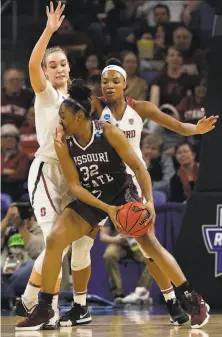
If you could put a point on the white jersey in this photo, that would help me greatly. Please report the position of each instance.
(131, 124)
(47, 105)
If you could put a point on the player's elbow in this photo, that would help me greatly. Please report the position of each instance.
(74, 188)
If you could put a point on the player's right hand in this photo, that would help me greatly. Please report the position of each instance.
(55, 17)
(112, 212)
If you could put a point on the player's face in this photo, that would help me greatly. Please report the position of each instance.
(69, 120)
(57, 69)
(184, 155)
(113, 85)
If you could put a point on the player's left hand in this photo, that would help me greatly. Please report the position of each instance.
(206, 124)
(59, 136)
(150, 208)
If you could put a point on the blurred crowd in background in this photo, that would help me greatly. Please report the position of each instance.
(163, 47)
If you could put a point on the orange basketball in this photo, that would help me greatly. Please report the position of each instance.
(133, 219)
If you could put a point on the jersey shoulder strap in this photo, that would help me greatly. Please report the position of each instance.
(130, 102)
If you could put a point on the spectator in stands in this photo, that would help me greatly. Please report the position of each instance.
(15, 99)
(161, 11)
(172, 84)
(194, 59)
(95, 84)
(191, 109)
(136, 86)
(170, 139)
(28, 135)
(92, 65)
(14, 162)
(159, 166)
(122, 21)
(184, 181)
(188, 9)
(120, 247)
(22, 242)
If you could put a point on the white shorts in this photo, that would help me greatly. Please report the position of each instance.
(47, 190)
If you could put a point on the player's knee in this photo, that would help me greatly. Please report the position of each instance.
(81, 258)
(53, 242)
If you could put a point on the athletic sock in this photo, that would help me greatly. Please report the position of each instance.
(168, 294)
(80, 297)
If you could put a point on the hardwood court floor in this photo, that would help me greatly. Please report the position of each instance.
(131, 324)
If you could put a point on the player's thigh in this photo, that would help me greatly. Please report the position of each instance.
(93, 233)
(68, 227)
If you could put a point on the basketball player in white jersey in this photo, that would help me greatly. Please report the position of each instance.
(128, 115)
(49, 74)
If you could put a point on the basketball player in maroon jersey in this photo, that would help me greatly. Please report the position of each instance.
(93, 163)
(128, 115)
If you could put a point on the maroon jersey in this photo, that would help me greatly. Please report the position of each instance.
(101, 170)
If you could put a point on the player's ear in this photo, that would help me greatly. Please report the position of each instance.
(124, 85)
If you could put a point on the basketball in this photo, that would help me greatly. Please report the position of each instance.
(133, 219)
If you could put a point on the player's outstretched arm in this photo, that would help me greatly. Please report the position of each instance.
(36, 73)
(149, 110)
(72, 177)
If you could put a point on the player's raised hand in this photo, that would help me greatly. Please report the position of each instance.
(55, 17)
(206, 124)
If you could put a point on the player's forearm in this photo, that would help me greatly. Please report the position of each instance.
(85, 196)
(188, 129)
(144, 180)
(40, 48)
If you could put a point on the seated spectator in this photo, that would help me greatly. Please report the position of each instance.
(92, 65)
(184, 181)
(120, 247)
(136, 86)
(121, 23)
(28, 135)
(186, 14)
(172, 84)
(95, 84)
(14, 162)
(159, 166)
(191, 109)
(22, 242)
(194, 59)
(162, 11)
(170, 138)
(15, 100)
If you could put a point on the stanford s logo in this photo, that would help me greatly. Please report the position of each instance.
(212, 235)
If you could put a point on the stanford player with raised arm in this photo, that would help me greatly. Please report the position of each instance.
(128, 115)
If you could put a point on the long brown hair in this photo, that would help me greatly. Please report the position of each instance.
(51, 51)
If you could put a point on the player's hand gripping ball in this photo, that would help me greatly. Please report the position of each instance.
(133, 219)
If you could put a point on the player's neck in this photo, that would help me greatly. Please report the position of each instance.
(118, 108)
(83, 138)
(63, 89)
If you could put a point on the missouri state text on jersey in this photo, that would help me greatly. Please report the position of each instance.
(98, 164)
